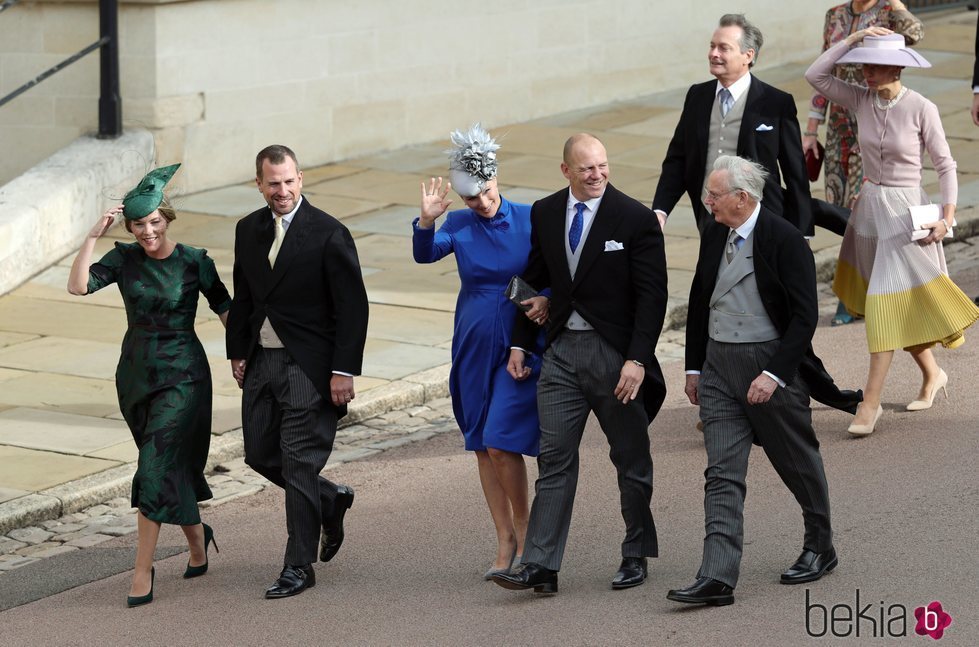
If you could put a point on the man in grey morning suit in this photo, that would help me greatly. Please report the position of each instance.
(751, 317)
(602, 255)
(295, 338)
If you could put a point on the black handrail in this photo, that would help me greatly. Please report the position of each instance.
(110, 104)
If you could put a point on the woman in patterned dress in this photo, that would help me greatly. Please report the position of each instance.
(842, 169)
(900, 285)
(163, 380)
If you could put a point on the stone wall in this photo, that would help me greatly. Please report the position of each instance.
(215, 80)
(45, 212)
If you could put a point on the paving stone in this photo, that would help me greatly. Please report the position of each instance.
(78, 534)
(106, 519)
(117, 531)
(10, 562)
(218, 478)
(32, 551)
(57, 550)
(97, 510)
(89, 540)
(119, 502)
(65, 528)
(8, 545)
(32, 535)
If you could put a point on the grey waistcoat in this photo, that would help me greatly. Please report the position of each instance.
(722, 138)
(737, 314)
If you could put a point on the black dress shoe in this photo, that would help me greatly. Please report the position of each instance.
(704, 591)
(292, 581)
(531, 576)
(631, 573)
(333, 527)
(810, 566)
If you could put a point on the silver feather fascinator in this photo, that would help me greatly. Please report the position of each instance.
(472, 160)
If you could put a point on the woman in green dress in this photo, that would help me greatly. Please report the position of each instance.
(163, 379)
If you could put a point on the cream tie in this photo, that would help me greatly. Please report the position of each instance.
(280, 233)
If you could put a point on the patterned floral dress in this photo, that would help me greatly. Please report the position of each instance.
(842, 167)
(163, 379)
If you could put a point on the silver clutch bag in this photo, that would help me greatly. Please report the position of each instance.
(519, 290)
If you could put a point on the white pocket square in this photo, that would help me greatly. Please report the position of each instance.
(764, 128)
(613, 246)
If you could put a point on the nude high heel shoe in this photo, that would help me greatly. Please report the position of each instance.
(866, 430)
(921, 405)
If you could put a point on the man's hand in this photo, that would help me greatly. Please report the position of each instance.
(975, 108)
(662, 219)
(539, 309)
(238, 371)
(515, 367)
(630, 379)
(761, 389)
(690, 388)
(341, 389)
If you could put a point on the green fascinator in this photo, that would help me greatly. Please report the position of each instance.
(148, 194)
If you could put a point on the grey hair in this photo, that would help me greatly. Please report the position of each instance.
(751, 37)
(743, 175)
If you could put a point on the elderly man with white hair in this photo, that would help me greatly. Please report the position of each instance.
(751, 319)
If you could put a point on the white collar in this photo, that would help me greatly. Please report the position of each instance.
(737, 88)
(287, 218)
(748, 225)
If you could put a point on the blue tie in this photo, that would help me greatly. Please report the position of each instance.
(577, 224)
(727, 101)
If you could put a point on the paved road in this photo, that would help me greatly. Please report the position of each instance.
(419, 537)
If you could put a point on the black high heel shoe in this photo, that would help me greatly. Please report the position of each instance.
(138, 600)
(197, 571)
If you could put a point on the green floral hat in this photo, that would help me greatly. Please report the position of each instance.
(148, 194)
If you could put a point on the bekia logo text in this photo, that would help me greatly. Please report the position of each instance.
(871, 620)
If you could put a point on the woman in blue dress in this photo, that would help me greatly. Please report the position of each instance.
(497, 414)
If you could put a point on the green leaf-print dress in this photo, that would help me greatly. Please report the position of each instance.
(163, 379)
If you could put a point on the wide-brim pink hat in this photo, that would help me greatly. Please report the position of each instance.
(885, 50)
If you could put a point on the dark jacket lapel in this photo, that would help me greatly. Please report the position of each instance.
(292, 243)
(746, 145)
(603, 227)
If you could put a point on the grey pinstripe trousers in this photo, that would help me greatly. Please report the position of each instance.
(783, 427)
(579, 375)
(288, 431)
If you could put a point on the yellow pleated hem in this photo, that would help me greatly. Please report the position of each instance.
(850, 288)
(937, 312)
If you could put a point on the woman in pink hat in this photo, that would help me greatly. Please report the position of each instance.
(842, 170)
(899, 284)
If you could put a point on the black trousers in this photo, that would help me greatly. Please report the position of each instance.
(289, 430)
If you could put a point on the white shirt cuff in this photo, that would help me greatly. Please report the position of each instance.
(343, 374)
(775, 377)
(693, 372)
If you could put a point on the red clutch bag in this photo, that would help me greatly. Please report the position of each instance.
(814, 164)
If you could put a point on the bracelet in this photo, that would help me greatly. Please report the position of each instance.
(810, 133)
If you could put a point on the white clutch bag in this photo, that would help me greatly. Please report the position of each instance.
(923, 214)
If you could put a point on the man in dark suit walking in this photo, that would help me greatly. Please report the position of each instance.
(295, 338)
(751, 317)
(738, 114)
(602, 255)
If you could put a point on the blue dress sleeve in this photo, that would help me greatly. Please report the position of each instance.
(106, 270)
(429, 245)
(211, 286)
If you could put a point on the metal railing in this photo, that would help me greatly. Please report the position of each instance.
(110, 104)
